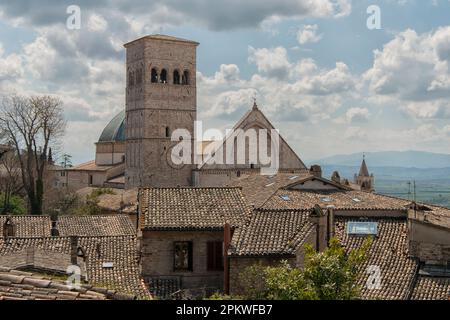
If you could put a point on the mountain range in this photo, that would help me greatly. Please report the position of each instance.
(403, 159)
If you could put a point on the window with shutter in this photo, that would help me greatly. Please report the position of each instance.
(215, 255)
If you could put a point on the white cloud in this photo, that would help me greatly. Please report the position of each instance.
(309, 34)
(274, 61)
(10, 66)
(355, 115)
(97, 23)
(414, 69)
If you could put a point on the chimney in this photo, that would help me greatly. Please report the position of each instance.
(74, 250)
(54, 219)
(9, 229)
(330, 218)
(316, 171)
(226, 267)
(320, 219)
(336, 177)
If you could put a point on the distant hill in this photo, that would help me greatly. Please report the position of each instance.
(403, 159)
(390, 173)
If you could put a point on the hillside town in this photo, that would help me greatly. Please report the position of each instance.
(136, 224)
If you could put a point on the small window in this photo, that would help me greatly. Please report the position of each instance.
(252, 166)
(176, 77)
(365, 228)
(185, 78)
(215, 255)
(154, 76)
(163, 76)
(91, 179)
(183, 256)
(167, 132)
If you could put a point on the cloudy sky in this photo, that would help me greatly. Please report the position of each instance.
(329, 84)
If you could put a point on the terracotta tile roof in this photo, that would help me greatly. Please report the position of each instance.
(102, 225)
(432, 288)
(341, 200)
(163, 287)
(92, 166)
(191, 208)
(272, 232)
(438, 216)
(389, 252)
(120, 252)
(20, 285)
(258, 188)
(28, 226)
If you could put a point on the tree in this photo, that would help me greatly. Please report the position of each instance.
(32, 125)
(332, 274)
(66, 161)
(10, 182)
(328, 275)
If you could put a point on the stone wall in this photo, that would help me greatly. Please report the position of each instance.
(158, 257)
(429, 243)
(34, 258)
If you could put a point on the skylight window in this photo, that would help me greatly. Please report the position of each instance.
(293, 177)
(362, 228)
(326, 200)
(356, 200)
(285, 198)
(107, 265)
(270, 184)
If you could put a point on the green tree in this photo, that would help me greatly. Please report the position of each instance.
(332, 274)
(328, 275)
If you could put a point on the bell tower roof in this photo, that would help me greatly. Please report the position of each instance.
(163, 37)
(363, 171)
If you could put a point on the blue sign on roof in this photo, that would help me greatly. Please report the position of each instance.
(362, 228)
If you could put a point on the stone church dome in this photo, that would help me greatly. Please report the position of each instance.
(115, 130)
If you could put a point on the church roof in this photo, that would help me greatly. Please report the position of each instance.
(115, 130)
(363, 171)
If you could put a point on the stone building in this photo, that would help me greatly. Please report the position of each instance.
(135, 148)
(365, 180)
(182, 235)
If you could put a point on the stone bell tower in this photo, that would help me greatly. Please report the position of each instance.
(161, 96)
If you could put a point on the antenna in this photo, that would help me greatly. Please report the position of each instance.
(414, 191)
(409, 190)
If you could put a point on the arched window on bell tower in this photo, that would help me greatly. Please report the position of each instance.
(163, 76)
(185, 77)
(154, 76)
(167, 132)
(176, 77)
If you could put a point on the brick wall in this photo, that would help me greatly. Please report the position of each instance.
(158, 257)
(429, 243)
